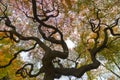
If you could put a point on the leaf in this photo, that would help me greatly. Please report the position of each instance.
(68, 3)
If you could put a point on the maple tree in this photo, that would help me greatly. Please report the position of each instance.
(40, 27)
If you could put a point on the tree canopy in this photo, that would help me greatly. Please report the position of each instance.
(40, 29)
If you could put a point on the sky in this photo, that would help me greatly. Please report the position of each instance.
(70, 44)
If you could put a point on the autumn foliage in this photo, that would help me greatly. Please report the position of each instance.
(40, 29)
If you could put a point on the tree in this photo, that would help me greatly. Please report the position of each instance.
(42, 32)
